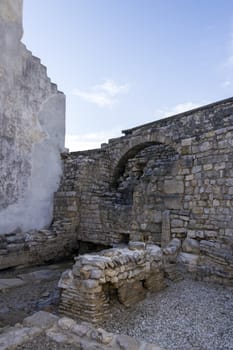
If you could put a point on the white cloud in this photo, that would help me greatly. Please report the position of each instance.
(226, 83)
(80, 142)
(103, 95)
(179, 108)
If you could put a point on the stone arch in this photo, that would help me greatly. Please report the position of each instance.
(132, 145)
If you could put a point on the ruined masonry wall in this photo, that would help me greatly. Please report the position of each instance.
(32, 130)
(87, 288)
(169, 179)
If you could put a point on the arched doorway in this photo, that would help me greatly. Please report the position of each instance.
(142, 187)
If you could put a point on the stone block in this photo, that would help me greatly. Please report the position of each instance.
(127, 343)
(41, 320)
(155, 282)
(101, 336)
(173, 202)
(191, 246)
(136, 245)
(17, 336)
(189, 260)
(131, 292)
(173, 186)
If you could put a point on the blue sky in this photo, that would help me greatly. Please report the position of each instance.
(123, 63)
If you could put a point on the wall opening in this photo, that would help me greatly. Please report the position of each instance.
(139, 186)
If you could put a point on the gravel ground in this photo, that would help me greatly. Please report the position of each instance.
(187, 315)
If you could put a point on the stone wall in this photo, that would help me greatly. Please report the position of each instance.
(32, 129)
(45, 330)
(123, 273)
(36, 247)
(172, 178)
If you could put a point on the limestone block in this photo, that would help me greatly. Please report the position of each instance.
(84, 274)
(66, 280)
(61, 337)
(66, 323)
(157, 216)
(173, 186)
(90, 284)
(40, 319)
(110, 273)
(136, 245)
(189, 260)
(177, 223)
(154, 253)
(96, 274)
(186, 142)
(205, 146)
(17, 336)
(155, 282)
(127, 343)
(173, 202)
(191, 246)
(131, 292)
(101, 336)
(81, 329)
(173, 247)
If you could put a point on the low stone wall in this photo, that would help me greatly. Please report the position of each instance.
(125, 273)
(207, 258)
(46, 331)
(36, 247)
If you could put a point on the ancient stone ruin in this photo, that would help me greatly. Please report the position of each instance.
(153, 204)
(129, 272)
(168, 179)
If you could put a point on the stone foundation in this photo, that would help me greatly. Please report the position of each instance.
(36, 247)
(65, 332)
(123, 273)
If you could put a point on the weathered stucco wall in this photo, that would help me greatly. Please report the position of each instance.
(32, 129)
(169, 179)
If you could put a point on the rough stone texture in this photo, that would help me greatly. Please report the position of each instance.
(172, 178)
(32, 129)
(44, 329)
(36, 247)
(120, 273)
